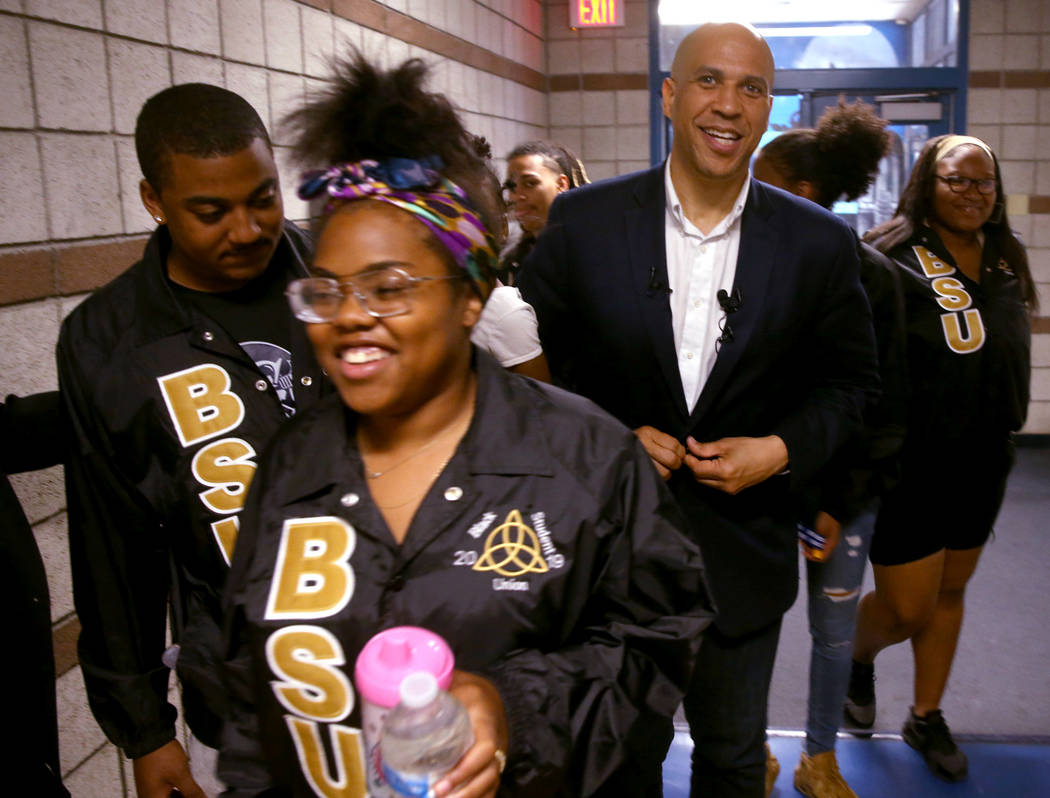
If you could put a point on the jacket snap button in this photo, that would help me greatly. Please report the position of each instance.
(261, 385)
(453, 493)
(208, 335)
(349, 499)
(307, 381)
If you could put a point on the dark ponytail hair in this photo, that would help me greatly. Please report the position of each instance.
(367, 112)
(556, 157)
(840, 157)
(916, 205)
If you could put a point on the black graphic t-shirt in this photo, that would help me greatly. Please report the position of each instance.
(257, 317)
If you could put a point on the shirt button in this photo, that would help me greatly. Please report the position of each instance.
(689, 355)
(349, 499)
(696, 303)
(454, 493)
(208, 335)
(307, 381)
(396, 583)
(261, 385)
(703, 250)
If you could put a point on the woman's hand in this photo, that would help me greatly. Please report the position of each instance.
(829, 528)
(161, 771)
(477, 773)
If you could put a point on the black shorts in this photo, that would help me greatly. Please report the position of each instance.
(946, 499)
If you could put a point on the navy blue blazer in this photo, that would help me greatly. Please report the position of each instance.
(801, 364)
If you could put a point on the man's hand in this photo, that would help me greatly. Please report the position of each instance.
(666, 452)
(732, 464)
(166, 769)
(477, 773)
(828, 528)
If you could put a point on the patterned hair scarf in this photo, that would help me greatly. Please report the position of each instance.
(416, 187)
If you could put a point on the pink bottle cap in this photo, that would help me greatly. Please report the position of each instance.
(393, 654)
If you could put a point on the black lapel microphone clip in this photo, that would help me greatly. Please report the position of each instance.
(730, 303)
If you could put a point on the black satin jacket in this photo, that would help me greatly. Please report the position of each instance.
(168, 414)
(548, 553)
(968, 347)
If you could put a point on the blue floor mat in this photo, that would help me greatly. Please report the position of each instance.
(883, 767)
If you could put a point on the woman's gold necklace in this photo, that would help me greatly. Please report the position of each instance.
(377, 474)
(417, 496)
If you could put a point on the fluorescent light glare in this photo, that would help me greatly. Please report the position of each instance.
(816, 30)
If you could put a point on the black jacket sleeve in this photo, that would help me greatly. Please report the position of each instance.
(120, 576)
(242, 762)
(34, 431)
(592, 715)
(844, 370)
(868, 466)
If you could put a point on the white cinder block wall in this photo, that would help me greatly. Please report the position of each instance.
(1009, 107)
(73, 74)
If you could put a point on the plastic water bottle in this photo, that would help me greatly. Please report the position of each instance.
(381, 666)
(424, 736)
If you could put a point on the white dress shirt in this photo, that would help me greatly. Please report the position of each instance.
(698, 266)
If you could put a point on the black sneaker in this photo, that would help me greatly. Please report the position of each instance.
(860, 699)
(931, 738)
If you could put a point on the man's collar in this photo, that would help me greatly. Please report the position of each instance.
(674, 205)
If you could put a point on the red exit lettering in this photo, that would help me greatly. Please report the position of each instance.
(597, 12)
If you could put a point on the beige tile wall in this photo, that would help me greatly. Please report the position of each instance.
(608, 128)
(73, 75)
(1010, 46)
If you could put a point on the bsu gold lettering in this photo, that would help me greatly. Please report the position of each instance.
(226, 465)
(225, 532)
(958, 341)
(951, 293)
(952, 296)
(312, 576)
(348, 780)
(200, 402)
(932, 266)
(307, 659)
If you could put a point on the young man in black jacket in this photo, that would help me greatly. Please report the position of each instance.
(175, 375)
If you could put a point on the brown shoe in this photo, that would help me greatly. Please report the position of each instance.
(818, 777)
(772, 771)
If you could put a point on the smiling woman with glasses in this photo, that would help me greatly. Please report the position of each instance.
(382, 293)
(960, 185)
(435, 489)
(968, 296)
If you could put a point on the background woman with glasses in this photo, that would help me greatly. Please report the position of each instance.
(968, 294)
(434, 489)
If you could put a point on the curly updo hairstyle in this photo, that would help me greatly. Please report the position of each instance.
(840, 157)
(366, 112)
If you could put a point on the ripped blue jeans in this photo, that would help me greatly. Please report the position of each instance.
(834, 589)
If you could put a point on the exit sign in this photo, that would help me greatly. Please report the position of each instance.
(596, 13)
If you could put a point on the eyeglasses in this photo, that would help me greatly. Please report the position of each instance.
(382, 293)
(960, 185)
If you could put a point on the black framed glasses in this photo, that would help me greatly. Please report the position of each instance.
(959, 184)
(382, 293)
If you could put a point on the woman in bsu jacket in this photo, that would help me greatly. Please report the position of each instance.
(548, 555)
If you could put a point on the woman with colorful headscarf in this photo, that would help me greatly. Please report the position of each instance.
(968, 296)
(434, 489)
